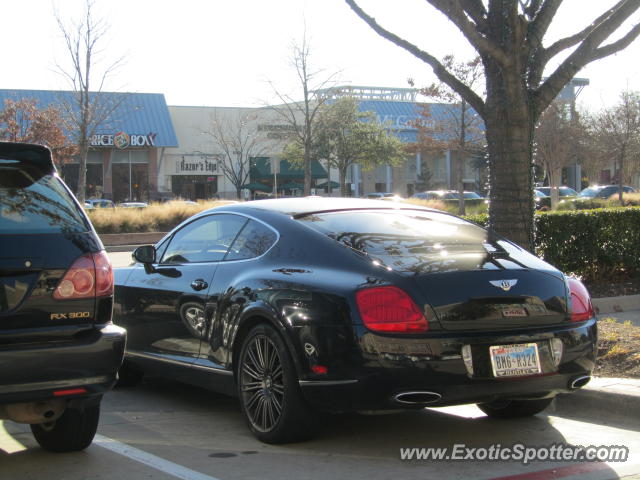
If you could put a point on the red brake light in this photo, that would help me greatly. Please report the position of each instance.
(390, 309)
(104, 274)
(581, 307)
(90, 276)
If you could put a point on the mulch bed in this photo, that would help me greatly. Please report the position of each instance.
(618, 349)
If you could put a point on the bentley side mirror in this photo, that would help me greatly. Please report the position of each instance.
(146, 254)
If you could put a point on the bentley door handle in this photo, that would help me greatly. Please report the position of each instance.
(199, 284)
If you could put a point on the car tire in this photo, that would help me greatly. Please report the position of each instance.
(270, 397)
(514, 408)
(128, 376)
(73, 431)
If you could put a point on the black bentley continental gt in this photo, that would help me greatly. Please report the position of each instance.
(304, 305)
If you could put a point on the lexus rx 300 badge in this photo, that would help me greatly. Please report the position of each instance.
(503, 284)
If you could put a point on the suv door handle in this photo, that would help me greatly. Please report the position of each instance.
(199, 284)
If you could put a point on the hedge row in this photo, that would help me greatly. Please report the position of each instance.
(588, 243)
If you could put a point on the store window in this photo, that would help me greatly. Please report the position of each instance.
(130, 172)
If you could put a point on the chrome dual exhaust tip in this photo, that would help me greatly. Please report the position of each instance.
(417, 398)
(579, 382)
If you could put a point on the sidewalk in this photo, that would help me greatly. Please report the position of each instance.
(621, 308)
(606, 399)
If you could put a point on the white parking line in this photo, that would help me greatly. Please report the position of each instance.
(150, 460)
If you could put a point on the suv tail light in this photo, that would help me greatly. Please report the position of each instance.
(90, 276)
(390, 309)
(581, 307)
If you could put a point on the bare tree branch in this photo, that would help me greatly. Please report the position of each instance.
(476, 11)
(440, 71)
(586, 52)
(453, 10)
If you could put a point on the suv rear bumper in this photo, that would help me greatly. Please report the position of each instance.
(37, 372)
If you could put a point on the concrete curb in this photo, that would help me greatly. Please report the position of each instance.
(607, 399)
(121, 242)
(625, 303)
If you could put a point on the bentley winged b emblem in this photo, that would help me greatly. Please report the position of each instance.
(503, 284)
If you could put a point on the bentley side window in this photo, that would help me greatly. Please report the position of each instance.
(254, 239)
(206, 239)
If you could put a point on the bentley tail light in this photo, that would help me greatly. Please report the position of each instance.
(581, 307)
(389, 309)
(89, 276)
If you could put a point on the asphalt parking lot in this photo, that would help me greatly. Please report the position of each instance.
(166, 430)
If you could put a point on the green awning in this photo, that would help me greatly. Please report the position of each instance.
(291, 186)
(261, 169)
(257, 186)
(324, 185)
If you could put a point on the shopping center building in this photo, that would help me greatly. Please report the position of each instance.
(144, 150)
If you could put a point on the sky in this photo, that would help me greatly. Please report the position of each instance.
(238, 52)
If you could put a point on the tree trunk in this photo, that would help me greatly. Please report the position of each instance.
(307, 167)
(461, 154)
(509, 134)
(555, 175)
(342, 174)
(460, 185)
(82, 170)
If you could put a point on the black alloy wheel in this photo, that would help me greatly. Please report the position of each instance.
(514, 408)
(268, 388)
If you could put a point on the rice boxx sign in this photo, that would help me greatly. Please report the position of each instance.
(122, 140)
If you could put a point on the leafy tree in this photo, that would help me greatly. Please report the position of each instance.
(558, 142)
(616, 137)
(346, 136)
(237, 138)
(23, 121)
(88, 109)
(509, 37)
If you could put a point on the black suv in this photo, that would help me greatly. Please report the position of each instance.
(59, 351)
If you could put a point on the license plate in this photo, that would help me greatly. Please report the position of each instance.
(515, 360)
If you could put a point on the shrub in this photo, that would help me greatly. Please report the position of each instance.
(590, 243)
(587, 243)
(157, 217)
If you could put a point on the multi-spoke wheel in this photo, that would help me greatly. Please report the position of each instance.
(270, 397)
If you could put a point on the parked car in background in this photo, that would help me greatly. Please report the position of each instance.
(540, 199)
(446, 195)
(59, 351)
(435, 195)
(603, 191)
(99, 203)
(133, 205)
(384, 196)
(562, 191)
(302, 305)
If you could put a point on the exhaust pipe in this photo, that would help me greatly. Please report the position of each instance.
(417, 398)
(579, 382)
(34, 412)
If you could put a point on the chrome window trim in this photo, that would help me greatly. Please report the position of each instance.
(250, 217)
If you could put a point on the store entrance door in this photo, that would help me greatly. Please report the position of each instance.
(194, 187)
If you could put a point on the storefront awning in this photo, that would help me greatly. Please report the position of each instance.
(261, 169)
(257, 186)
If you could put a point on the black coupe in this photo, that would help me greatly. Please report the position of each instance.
(324, 304)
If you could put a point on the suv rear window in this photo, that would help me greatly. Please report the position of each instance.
(33, 202)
